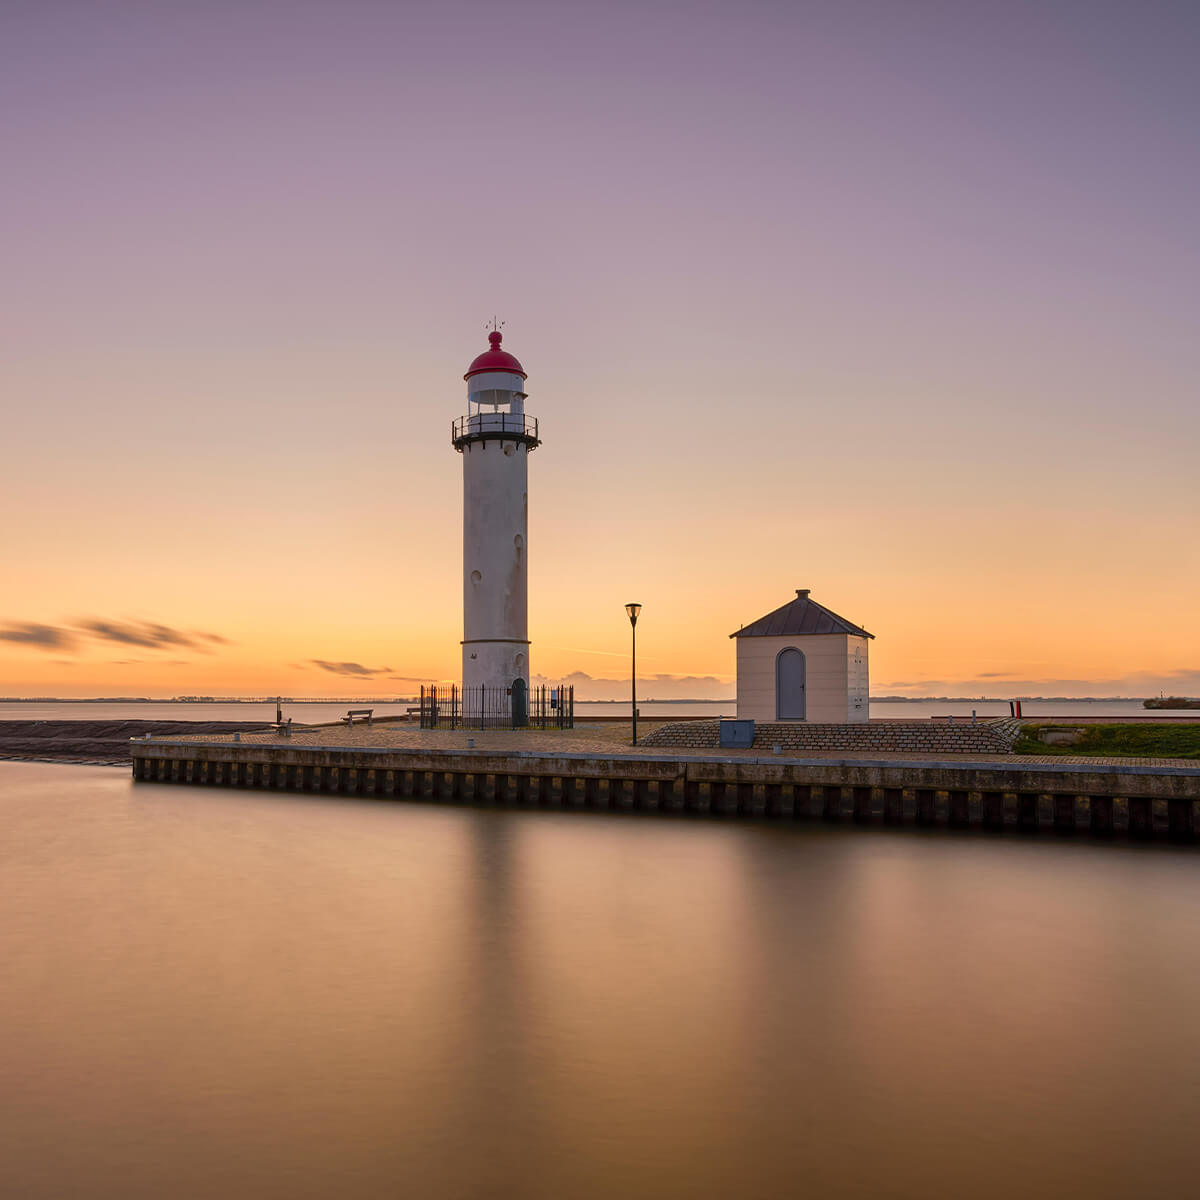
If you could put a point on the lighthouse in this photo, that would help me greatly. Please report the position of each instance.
(495, 439)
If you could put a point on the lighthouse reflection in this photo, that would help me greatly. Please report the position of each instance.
(732, 1009)
(571, 962)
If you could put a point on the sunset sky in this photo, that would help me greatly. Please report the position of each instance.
(899, 302)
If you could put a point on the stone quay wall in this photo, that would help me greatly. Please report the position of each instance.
(1103, 797)
(919, 737)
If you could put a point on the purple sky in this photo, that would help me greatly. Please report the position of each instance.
(909, 289)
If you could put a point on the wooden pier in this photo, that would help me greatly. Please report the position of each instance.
(1104, 799)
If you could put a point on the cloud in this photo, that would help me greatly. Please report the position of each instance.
(650, 687)
(351, 668)
(44, 637)
(138, 662)
(136, 633)
(150, 635)
(1179, 681)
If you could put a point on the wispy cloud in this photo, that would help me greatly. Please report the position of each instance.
(354, 670)
(137, 662)
(44, 637)
(658, 686)
(136, 633)
(1180, 681)
(150, 635)
(349, 668)
(622, 654)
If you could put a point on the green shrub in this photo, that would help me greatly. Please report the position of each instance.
(1130, 740)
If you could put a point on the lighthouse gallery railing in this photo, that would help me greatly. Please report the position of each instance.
(494, 424)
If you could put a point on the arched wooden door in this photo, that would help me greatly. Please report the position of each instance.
(520, 704)
(790, 682)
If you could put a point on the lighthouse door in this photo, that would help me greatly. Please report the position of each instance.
(789, 685)
(520, 706)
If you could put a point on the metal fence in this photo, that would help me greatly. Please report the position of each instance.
(483, 707)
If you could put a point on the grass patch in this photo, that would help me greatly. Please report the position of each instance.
(1118, 741)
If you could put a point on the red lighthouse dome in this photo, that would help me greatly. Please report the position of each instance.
(495, 359)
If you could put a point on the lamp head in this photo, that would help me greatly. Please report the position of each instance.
(633, 610)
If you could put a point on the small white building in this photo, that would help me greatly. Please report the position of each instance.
(802, 663)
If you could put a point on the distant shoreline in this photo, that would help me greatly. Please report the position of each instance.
(98, 743)
(623, 700)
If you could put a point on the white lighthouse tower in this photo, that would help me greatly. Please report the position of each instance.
(495, 439)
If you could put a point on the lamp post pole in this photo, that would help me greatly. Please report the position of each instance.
(633, 610)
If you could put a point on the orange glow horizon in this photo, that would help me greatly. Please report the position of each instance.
(907, 320)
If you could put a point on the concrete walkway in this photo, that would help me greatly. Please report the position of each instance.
(610, 739)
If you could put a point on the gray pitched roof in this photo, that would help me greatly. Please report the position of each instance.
(800, 616)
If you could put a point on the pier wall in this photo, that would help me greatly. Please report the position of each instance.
(1101, 799)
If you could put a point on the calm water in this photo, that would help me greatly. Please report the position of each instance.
(322, 711)
(215, 994)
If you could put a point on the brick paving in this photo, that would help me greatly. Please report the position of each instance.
(614, 738)
(990, 736)
(606, 738)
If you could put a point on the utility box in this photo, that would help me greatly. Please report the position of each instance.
(737, 735)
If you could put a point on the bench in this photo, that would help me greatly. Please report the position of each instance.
(413, 711)
(283, 728)
(351, 713)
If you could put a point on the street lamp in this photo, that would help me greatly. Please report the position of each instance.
(633, 610)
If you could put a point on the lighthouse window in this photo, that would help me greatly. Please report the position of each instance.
(495, 398)
(476, 577)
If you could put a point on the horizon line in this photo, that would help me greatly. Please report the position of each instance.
(398, 699)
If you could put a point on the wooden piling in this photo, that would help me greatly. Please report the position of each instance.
(1064, 814)
(1181, 826)
(893, 805)
(1100, 816)
(862, 802)
(1026, 795)
(926, 806)
(1027, 811)
(960, 809)
(1140, 818)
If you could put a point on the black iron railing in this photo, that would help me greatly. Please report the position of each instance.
(482, 707)
(517, 426)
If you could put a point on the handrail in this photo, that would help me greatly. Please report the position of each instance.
(483, 424)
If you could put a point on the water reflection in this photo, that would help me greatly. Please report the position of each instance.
(210, 992)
